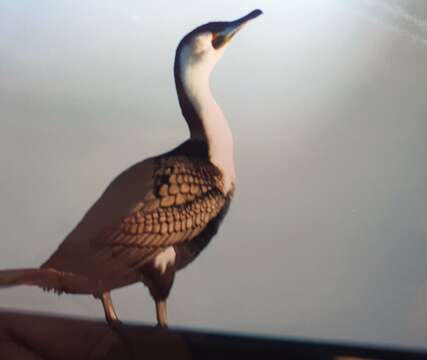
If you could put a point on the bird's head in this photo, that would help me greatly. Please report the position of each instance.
(201, 49)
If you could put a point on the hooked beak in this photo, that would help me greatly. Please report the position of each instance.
(224, 36)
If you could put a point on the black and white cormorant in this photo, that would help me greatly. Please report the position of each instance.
(156, 216)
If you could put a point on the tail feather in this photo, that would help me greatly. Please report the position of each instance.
(47, 279)
(16, 276)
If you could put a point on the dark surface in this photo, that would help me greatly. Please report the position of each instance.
(41, 336)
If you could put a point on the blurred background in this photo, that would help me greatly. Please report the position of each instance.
(326, 237)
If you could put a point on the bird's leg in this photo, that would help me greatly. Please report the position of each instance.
(110, 313)
(159, 283)
(114, 323)
(161, 313)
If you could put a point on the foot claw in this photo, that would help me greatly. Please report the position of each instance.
(162, 326)
(114, 323)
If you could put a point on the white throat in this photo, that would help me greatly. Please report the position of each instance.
(195, 72)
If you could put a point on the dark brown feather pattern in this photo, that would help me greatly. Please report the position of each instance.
(186, 195)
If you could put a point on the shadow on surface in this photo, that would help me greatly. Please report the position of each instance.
(41, 336)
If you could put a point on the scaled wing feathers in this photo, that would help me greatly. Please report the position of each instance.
(184, 197)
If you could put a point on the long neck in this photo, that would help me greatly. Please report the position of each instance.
(205, 118)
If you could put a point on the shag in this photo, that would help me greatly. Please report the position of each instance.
(158, 215)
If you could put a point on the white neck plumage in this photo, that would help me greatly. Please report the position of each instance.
(207, 123)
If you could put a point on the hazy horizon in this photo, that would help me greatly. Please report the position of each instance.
(326, 236)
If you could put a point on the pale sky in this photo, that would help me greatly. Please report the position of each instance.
(327, 235)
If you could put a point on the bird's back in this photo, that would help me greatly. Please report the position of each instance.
(174, 199)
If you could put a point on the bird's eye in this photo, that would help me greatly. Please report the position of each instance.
(218, 40)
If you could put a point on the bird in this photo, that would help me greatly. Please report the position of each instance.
(157, 216)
